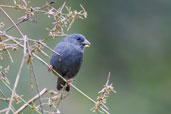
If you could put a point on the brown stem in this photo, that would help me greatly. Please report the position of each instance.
(37, 87)
(12, 22)
(15, 85)
(31, 100)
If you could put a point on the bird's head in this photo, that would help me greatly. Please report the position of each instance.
(78, 40)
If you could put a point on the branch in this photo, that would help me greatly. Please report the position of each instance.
(10, 56)
(7, 6)
(12, 22)
(9, 88)
(37, 87)
(49, 48)
(15, 85)
(47, 4)
(31, 100)
(19, 22)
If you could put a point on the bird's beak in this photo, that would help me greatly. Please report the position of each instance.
(86, 43)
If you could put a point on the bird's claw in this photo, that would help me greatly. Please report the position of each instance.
(50, 68)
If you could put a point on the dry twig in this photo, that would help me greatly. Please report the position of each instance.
(100, 104)
(31, 100)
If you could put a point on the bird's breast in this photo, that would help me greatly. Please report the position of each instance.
(70, 64)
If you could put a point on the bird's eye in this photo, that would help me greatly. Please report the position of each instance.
(79, 38)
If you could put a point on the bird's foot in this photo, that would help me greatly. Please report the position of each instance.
(50, 68)
(70, 81)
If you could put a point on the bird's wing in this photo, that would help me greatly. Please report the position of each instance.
(69, 60)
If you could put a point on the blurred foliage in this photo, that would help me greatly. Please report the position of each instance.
(131, 39)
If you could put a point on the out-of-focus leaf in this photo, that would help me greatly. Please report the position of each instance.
(0, 39)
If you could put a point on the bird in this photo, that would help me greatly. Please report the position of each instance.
(68, 62)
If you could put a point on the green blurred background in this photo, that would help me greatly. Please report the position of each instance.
(131, 39)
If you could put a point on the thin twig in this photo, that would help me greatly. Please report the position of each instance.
(10, 56)
(31, 100)
(25, 48)
(9, 88)
(15, 2)
(37, 87)
(47, 4)
(4, 99)
(8, 6)
(49, 48)
(19, 22)
(34, 74)
(15, 85)
(2, 92)
(4, 110)
(45, 38)
(12, 22)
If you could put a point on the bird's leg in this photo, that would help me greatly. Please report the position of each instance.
(50, 68)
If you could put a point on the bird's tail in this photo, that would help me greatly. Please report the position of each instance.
(61, 84)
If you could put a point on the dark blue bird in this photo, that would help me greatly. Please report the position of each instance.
(68, 63)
